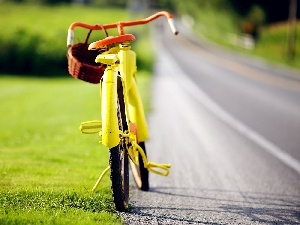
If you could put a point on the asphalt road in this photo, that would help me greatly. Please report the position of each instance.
(231, 130)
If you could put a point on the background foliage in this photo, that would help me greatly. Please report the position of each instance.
(35, 42)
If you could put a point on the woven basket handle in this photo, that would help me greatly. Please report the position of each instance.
(88, 35)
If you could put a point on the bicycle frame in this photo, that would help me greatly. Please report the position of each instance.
(134, 109)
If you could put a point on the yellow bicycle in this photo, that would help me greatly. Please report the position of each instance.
(123, 127)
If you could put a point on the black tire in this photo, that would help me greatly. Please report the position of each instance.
(118, 161)
(119, 177)
(140, 173)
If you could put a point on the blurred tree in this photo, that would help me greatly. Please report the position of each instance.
(138, 5)
(84, 2)
(192, 7)
(292, 29)
(256, 15)
(46, 2)
(274, 10)
(253, 21)
(118, 3)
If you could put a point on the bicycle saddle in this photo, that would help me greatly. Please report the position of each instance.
(111, 40)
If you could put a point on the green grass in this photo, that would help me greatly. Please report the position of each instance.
(144, 85)
(47, 167)
(28, 207)
(213, 24)
(272, 45)
(53, 22)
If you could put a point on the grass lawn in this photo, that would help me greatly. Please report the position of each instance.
(47, 167)
(273, 46)
(52, 22)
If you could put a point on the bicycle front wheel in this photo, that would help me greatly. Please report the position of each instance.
(119, 177)
(118, 161)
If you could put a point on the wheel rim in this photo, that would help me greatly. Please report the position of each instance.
(136, 174)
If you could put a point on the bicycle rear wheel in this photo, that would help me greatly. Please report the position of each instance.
(140, 173)
(118, 161)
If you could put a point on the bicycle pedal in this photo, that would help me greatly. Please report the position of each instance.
(91, 127)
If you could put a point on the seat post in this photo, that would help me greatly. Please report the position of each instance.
(120, 28)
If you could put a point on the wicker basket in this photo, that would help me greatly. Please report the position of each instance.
(81, 62)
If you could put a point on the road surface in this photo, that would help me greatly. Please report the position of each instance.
(231, 130)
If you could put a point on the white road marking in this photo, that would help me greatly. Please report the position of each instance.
(219, 112)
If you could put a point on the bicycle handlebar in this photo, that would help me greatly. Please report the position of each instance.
(120, 25)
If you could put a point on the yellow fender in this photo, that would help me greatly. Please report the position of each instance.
(110, 126)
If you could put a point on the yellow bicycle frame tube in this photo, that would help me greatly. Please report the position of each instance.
(110, 126)
(134, 107)
(136, 112)
(124, 62)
